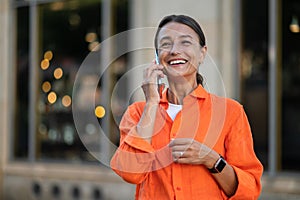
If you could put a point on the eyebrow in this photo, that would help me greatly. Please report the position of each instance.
(186, 36)
(181, 36)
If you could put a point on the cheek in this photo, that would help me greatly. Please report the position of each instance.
(196, 61)
(162, 55)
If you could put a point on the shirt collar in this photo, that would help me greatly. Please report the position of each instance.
(200, 92)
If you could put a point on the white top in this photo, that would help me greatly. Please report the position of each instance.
(173, 110)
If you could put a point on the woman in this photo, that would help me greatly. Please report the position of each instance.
(185, 143)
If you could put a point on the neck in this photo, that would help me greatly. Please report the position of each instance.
(177, 92)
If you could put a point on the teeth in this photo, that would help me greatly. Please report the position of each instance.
(174, 62)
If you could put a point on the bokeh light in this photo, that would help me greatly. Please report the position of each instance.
(45, 64)
(66, 101)
(90, 37)
(52, 97)
(100, 111)
(58, 73)
(48, 55)
(94, 46)
(46, 86)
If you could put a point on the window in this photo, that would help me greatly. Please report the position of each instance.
(67, 31)
(255, 78)
(290, 85)
(255, 73)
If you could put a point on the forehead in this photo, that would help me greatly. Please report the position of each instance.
(175, 29)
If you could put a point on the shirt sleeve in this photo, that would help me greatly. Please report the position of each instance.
(133, 159)
(241, 156)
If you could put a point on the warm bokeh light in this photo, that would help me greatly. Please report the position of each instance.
(66, 101)
(56, 6)
(43, 129)
(94, 46)
(46, 87)
(90, 37)
(99, 111)
(52, 97)
(74, 19)
(294, 26)
(45, 64)
(48, 55)
(58, 73)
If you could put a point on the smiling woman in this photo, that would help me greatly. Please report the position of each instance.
(186, 143)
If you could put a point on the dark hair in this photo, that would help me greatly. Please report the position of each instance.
(190, 22)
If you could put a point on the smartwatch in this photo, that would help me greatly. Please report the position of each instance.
(218, 166)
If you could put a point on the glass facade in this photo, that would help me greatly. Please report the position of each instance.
(67, 32)
(254, 73)
(290, 95)
(255, 79)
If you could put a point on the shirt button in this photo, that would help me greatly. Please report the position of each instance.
(178, 188)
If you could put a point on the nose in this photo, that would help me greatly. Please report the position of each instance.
(175, 49)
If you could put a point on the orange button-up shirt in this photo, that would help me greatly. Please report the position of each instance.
(217, 122)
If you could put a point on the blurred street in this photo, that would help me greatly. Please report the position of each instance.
(275, 196)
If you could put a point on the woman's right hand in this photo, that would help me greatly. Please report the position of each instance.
(150, 85)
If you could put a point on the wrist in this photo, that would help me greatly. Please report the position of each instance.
(213, 158)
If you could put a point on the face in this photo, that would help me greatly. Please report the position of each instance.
(179, 51)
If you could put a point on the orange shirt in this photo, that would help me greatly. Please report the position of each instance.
(219, 123)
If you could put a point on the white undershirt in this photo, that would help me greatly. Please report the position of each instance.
(173, 110)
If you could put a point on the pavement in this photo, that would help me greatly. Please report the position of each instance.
(283, 186)
(279, 196)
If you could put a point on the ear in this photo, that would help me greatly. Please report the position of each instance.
(203, 51)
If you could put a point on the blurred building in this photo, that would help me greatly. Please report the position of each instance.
(69, 69)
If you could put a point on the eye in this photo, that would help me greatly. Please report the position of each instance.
(165, 45)
(186, 42)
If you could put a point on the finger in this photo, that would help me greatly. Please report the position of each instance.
(154, 71)
(178, 148)
(183, 160)
(177, 155)
(180, 141)
(157, 66)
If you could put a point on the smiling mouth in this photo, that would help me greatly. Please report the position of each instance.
(177, 62)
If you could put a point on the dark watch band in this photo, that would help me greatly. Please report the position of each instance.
(218, 166)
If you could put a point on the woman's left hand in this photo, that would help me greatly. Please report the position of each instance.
(190, 151)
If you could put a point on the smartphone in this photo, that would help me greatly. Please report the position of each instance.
(159, 83)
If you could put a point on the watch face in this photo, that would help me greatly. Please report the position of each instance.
(220, 165)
